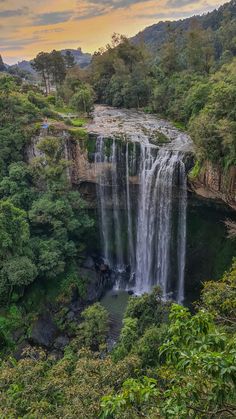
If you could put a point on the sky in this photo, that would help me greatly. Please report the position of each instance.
(30, 26)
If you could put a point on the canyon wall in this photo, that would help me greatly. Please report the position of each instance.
(212, 182)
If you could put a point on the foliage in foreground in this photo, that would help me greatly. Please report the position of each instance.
(180, 365)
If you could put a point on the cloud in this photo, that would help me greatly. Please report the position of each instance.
(52, 18)
(14, 12)
(179, 3)
(90, 8)
(18, 44)
(117, 4)
(170, 15)
(52, 30)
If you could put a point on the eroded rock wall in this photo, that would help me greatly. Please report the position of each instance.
(215, 183)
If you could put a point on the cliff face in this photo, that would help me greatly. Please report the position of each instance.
(213, 183)
(84, 173)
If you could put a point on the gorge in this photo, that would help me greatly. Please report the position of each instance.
(139, 167)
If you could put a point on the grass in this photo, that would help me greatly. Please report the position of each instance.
(194, 173)
(77, 122)
(179, 125)
(64, 110)
(78, 133)
(159, 138)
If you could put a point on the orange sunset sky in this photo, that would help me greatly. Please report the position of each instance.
(28, 26)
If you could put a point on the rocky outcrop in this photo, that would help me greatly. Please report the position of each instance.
(44, 331)
(212, 182)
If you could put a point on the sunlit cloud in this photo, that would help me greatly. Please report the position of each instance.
(52, 18)
(13, 12)
(180, 3)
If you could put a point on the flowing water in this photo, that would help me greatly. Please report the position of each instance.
(139, 187)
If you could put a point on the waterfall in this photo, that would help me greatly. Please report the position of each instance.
(129, 208)
(141, 231)
(154, 228)
(182, 231)
(102, 197)
(116, 208)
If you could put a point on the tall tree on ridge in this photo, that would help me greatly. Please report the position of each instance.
(2, 66)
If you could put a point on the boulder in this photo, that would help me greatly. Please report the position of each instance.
(61, 342)
(44, 331)
(19, 352)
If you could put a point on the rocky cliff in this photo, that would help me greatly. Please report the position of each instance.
(212, 182)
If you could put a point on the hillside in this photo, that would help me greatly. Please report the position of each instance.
(154, 36)
(82, 59)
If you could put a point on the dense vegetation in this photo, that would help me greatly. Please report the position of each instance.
(43, 221)
(168, 363)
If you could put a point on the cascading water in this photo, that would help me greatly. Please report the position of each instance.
(182, 230)
(101, 163)
(131, 251)
(154, 227)
(140, 189)
(116, 208)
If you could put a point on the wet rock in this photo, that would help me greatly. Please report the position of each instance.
(104, 268)
(19, 353)
(74, 294)
(18, 334)
(44, 331)
(61, 342)
(130, 292)
(97, 285)
(88, 263)
(70, 316)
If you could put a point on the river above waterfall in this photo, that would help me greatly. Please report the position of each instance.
(136, 126)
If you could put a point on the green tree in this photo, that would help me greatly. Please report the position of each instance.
(2, 66)
(42, 64)
(57, 67)
(94, 329)
(16, 267)
(199, 48)
(83, 99)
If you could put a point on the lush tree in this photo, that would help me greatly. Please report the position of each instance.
(52, 68)
(82, 100)
(57, 67)
(18, 185)
(199, 48)
(213, 129)
(93, 330)
(42, 64)
(16, 267)
(2, 66)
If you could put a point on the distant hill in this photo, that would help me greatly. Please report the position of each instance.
(82, 59)
(154, 36)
